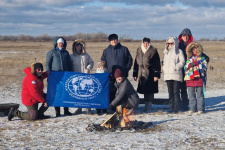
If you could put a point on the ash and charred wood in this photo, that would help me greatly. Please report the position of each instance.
(135, 126)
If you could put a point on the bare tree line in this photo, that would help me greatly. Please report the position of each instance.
(95, 37)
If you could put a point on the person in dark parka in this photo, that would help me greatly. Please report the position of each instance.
(58, 59)
(116, 56)
(147, 71)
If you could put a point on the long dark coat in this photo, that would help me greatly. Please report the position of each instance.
(146, 67)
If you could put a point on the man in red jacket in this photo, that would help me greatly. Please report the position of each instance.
(32, 94)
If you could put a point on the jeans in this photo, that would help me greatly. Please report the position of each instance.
(174, 95)
(197, 103)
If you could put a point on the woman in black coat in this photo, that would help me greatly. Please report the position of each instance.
(147, 71)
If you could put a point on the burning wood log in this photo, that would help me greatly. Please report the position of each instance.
(122, 117)
(121, 120)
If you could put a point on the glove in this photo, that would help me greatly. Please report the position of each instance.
(89, 67)
(111, 107)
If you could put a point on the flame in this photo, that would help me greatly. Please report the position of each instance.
(128, 115)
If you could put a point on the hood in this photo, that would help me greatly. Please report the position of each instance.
(55, 42)
(75, 44)
(190, 46)
(27, 71)
(30, 70)
(188, 32)
(176, 44)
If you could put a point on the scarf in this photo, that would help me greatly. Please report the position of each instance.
(143, 49)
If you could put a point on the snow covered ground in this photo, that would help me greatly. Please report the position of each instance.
(170, 131)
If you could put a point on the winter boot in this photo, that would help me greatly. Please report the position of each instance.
(11, 114)
(78, 111)
(148, 107)
(98, 111)
(89, 111)
(66, 112)
(57, 111)
(42, 116)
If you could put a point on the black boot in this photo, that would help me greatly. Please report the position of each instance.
(57, 111)
(66, 112)
(42, 116)
(98, 111)
(11, 114)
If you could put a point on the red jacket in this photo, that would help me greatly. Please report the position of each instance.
(32, 89)
(196, 82)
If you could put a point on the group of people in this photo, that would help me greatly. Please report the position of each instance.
(184, 66)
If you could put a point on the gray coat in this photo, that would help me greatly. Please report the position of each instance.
(58, 61)
(125, 95)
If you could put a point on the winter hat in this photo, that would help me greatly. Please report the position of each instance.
(113, 37)
(35, 66)
(38, 66)
(118, 73)
(146, 40)
(60, 40)
(101, 63)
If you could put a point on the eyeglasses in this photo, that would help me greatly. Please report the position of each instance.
(170, 43)
(39, 69)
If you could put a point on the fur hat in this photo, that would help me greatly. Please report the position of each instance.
(118, 73)
(35, 66)
(145, 39)
(192, 45)
(60, 40)
(113, 37)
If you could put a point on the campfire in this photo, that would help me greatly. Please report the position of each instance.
(122, 119)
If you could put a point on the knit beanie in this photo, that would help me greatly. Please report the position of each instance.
(60, 40)
(113, 37)
(118, 73)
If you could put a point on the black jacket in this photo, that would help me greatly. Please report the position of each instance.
(117, 57)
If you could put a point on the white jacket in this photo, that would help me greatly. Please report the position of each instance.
(81, 62)
(173, 61)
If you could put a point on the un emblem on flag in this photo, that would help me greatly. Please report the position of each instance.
(83, 87)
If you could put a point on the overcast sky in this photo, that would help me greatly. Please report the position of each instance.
(156, 19)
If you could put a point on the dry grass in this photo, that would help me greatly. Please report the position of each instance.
(15, 56)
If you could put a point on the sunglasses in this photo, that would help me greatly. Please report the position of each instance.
(170, 43)
(39, 69)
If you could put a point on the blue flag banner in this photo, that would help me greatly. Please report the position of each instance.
(73, 89)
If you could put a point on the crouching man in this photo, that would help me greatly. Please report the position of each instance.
(32, 94)
(125, 94)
